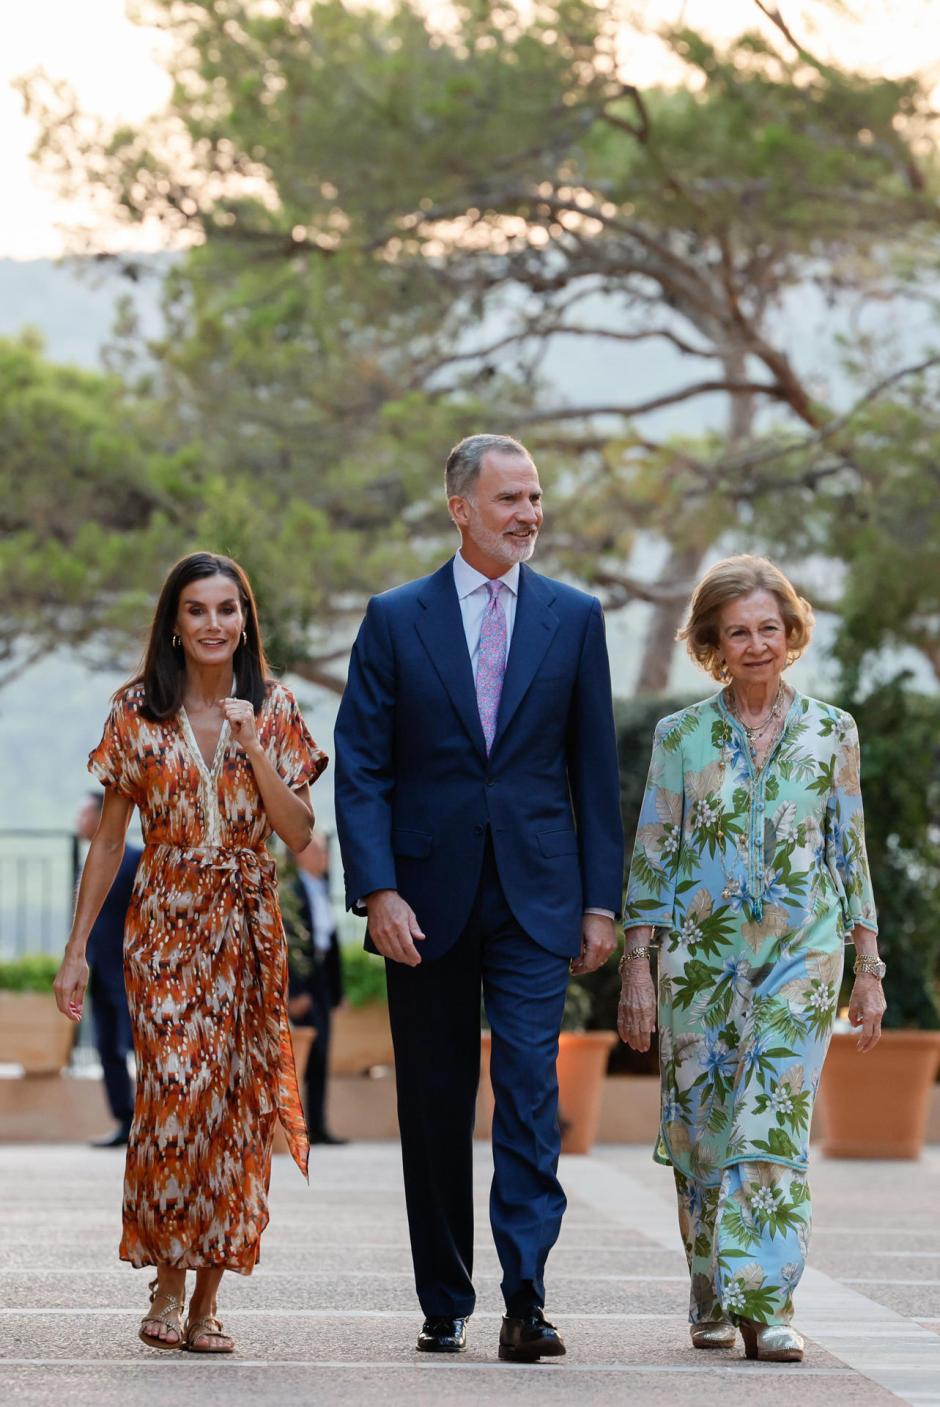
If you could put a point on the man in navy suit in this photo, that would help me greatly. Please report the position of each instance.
(110, 1017)
(479, 819)
(316, 982)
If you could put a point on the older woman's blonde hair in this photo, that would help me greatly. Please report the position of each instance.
(729, 580)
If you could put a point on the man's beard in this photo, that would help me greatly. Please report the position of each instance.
(502, 547)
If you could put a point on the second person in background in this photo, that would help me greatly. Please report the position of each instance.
(316, 974)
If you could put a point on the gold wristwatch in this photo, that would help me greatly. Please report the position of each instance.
(872, 967)
(642, 950)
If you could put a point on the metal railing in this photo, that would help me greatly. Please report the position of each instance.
(38, 873)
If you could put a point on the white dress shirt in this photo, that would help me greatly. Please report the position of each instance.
(474, 599)
(321, 910)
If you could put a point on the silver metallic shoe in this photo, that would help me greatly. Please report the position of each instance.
(717, 1333)
(771, 1343)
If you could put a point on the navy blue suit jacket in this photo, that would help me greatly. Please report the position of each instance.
(415, 790)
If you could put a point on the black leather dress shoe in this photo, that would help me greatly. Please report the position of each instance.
(443, 1336)
(528, 1338)
(330, 1138)
(118, 1139)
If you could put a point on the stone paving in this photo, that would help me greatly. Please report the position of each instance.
(330, 1318)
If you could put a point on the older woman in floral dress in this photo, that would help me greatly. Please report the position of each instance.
(750, 866)
(215, 755)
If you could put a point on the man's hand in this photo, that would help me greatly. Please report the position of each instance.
(298, 1007)
(598, 941)
(393, 927)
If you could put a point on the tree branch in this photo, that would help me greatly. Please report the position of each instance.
(698, 388)
(628, 588)
(753, 459)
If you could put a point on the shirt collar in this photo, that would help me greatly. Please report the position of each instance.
(467, 579)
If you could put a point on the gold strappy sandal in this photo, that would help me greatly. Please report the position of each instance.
(171, 1315)
(210, 1327)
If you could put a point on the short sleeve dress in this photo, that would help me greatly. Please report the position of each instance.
(205, 963)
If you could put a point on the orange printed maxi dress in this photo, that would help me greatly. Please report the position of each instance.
(205, 963)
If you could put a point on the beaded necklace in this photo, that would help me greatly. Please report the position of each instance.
(754, 732)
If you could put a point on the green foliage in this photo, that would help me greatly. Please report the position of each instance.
(899, 732)
(33, 973)
(577, 1012)
(363, 976)
(367, 191)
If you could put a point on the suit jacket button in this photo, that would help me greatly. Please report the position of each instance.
(477, 830)
(490, 782)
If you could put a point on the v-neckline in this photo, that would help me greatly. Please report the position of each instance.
(757, 773)
(208, 770)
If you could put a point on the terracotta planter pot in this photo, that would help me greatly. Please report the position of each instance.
(34, 1033)
(876, 1105)
(581, 1067)
(360, 1037)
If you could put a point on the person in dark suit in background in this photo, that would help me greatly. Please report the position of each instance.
(478, 811)
(316, 975)
(105, 955)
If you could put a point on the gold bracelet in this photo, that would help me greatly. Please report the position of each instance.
(640, 951)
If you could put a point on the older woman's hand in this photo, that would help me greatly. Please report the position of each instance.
(867, 1005)
(636, 1011)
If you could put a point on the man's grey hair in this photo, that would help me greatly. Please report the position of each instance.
(466, 460)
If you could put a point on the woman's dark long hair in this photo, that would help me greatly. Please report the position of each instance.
(164, 668)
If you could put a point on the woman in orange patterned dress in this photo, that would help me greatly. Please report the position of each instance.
(216, 756)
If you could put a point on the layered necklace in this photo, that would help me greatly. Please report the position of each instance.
(754, 732)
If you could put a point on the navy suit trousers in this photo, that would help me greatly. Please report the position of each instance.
(112, 1025)
(435, 1018)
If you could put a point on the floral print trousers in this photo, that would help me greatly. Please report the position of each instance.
(745, 1241)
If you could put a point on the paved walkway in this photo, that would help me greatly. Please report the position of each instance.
(330, 1318)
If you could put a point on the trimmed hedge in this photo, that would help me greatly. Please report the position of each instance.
(33, 973)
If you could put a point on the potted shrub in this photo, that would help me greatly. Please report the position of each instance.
(33, 1032)
(361, 1036)
(876, 1105)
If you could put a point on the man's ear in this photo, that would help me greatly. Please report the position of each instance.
(459, 510)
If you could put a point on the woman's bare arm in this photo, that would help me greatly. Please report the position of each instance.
(101, 866)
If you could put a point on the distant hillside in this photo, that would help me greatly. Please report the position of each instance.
(72, 304)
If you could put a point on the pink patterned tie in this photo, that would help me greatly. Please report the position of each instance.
(491, 666)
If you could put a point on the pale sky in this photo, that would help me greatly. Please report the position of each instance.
(113, 66)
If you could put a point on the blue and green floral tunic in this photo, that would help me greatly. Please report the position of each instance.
(755, 879)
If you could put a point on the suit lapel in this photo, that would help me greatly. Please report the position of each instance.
(532, 633)
(440, 628)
